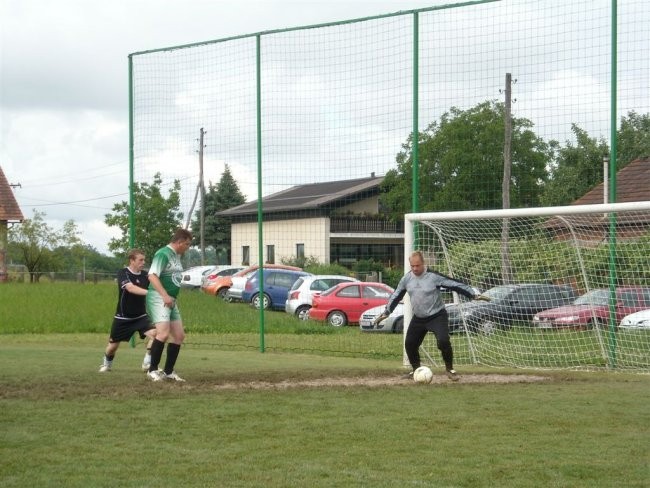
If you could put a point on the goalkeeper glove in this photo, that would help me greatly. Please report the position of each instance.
(483, 298)
(380, 318)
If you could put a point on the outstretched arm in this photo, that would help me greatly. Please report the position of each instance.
(135, 289)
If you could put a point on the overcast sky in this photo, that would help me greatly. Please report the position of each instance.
(63, 92)
(63, 86)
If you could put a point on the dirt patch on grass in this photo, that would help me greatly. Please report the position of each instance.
(380, 382)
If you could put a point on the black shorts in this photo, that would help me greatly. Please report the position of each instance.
(123, 329)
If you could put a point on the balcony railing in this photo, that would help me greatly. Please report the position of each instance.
(365, 225)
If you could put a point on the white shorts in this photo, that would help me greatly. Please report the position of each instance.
(157, 310)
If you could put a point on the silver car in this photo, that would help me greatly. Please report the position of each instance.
(393, 323)
(300, 295)
(235, 291)
(193, 277)
(637, 320)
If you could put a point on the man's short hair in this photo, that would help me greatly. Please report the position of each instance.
(181, 235)
(133, 253)
(417, 254)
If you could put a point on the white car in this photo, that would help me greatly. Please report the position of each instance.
(636, 320)
(393, 323)
(236, 290)
(300, 295)
(193, 277)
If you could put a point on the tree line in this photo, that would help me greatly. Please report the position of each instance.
(460, 168)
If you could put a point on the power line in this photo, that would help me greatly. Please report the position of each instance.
(51, 203)
(47, 180)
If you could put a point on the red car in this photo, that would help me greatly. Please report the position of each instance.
(344, 303)
(593, 309)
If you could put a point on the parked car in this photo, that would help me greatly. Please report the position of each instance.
(393, 323)
(344, 303)
(592, 308)
(219, 284)
(277, 283)
(236, 290)
(636, 320)
(300, 295)
(193, 277)
(508, 304)
(217, 271)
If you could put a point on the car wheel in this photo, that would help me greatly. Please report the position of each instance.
(221, 293)
(398, 326)
(256, 301)
(337, 319)
(596, 324)
(303, 312)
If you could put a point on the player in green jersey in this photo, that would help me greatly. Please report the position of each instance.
(164, 285)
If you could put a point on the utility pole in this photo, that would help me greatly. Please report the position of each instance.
(506, 267)
(202, 186)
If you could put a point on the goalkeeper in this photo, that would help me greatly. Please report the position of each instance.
(429, 313)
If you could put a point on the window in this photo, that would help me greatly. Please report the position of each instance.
(246, 255)
(629, 298)
(284, 280)
(270, 254)
(350, 292)
(323, 284)
(371, 291)
(300, 251)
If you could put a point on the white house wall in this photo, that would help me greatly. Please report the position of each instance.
(284, 235)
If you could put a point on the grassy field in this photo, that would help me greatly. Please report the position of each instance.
(250, 419)
(284, 419)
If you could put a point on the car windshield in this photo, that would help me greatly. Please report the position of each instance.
(594, 297)
(297, 284)
(330, 290)
(371, 291)
(499, 292)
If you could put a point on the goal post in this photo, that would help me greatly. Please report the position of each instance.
(561, 281)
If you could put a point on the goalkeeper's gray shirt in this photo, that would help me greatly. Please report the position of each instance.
(424, 292)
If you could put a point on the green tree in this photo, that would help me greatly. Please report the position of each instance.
(633, 138)
(155, 218)
(461, 164)
(33, 242)
(224, 195)
(85, 261)
(577, 169)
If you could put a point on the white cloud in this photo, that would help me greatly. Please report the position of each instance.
(64, 106)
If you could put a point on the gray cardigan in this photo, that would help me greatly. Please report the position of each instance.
(424, 292)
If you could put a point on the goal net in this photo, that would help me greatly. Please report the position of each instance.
(568, 285)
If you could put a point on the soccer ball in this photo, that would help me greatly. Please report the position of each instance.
(422, 375)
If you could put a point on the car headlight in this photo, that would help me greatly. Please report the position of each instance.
(571, 318)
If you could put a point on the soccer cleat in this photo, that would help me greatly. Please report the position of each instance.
(452, 375)
(407, 376)
(105, 367)
(155, 375)
(173, 376)
(145, 366)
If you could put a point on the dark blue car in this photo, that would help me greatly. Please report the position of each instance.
(277, 283)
